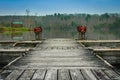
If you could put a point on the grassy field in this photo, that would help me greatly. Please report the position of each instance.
(3, 29)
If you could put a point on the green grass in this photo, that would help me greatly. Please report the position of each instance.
(13, 32)
(16, 29)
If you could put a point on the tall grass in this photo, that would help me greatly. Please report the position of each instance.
(14, 29)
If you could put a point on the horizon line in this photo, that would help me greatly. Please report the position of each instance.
(57, 13)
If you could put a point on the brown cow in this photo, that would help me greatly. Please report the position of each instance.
(82, 30)
(37, 31)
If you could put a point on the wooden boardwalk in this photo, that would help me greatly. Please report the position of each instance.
(59, 59)
(99, 41)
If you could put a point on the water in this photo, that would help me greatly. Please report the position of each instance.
(17, 36)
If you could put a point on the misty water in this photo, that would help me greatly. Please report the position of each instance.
(17, 36)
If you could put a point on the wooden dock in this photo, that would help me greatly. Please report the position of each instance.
(60, 59)
(98, 41)
(107, 50)
(26, 42)
(7, 42)
(110, 43)
(13, 52)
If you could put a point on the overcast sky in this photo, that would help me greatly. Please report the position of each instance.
(43, 7)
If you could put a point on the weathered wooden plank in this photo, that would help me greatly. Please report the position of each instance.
(4, 74)
(51, 74)
(14, 75)
(10, 64)
(112, 74)
(107, 50)
(76, 74)
(98, 41)
(88, 75)
(39, 74)
(63, 74)
(100, 75)
(14, 50)
(30, 42)
(6, 42)
(27, 75)
(26, 42)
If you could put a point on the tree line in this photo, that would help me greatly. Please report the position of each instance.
(64, 25)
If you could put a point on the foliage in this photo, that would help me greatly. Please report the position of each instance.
(64, 25)
(113, 28)
(15, 29)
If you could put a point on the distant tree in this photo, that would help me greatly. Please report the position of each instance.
(55, 14)
(87, 17)
(59, 15)
(105, 16)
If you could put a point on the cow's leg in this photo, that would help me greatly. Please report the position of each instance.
(81, 35)
(35, 36)
(84, 35)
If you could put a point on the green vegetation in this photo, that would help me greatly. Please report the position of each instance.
(104, 26)
(14, 32)
(14, 29)
(113, 28)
